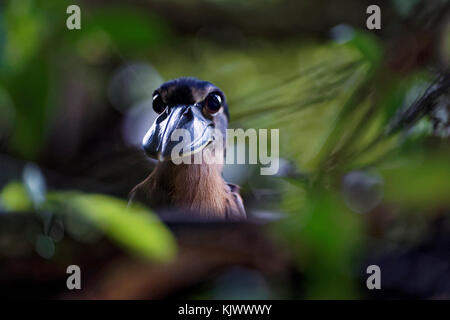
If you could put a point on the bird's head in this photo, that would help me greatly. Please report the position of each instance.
(197, 107)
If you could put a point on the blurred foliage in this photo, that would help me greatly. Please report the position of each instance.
(332, 100)
(14, 198)
(133, 227)
(127, 29)
(429, 178)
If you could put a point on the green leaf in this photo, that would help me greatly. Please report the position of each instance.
(332, 235)
(133, 227)
(23, 32)
(417, 182)
(14, 197)
(325, 239)
(127, 28)
(31, 108)
(369, 47)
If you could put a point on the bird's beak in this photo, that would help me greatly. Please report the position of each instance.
(183, 126)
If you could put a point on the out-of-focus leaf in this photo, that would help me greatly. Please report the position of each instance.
(45, 246)
(393, 96)
(2, 40)
(332, 235)
(420, 98)
(133, 227)
(324, 237)
(369, 47)
(373, 153)
(127, 28)
(14, 197)
(7, 113)
(418, 182)
(30, 91)
(24, 28)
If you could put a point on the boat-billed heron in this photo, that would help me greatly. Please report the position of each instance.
(196, 190)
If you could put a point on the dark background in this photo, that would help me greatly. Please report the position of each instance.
(364, 131)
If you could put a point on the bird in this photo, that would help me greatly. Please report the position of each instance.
(195, 190)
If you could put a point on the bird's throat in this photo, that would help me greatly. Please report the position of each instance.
(200, 188)
(196, 189)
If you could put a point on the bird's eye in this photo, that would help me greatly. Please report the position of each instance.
(158, 104)
(213, 103)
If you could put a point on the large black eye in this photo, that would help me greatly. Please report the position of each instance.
(213, 103)
(158, 104)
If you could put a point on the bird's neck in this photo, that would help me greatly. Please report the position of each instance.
(196, 188)
(201, 188)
